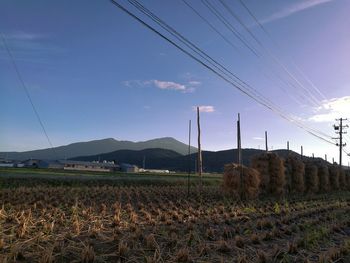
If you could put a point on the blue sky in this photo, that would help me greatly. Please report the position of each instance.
(93, 72)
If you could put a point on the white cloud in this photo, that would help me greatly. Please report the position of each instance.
(169, 85)
(292, 9)
(164, 85)
(204, 108)
(194, 83)
(332, 109)
(258, 138)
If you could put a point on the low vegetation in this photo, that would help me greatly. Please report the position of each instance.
(158, 221)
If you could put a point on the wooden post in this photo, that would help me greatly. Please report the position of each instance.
(266, 147)
(313, 156)
(325, 157)
(301, 152)
(199, 164)
(288, 146)
(239, 149)
(189, 158)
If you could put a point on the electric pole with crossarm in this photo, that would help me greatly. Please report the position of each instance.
(339, 130)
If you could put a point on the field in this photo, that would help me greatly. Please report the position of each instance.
(72, 217)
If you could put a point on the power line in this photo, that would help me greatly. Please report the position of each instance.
(209, 24)
(275, 43)
(218, 71)
(27, 93)
(262, 68)
(312, 99)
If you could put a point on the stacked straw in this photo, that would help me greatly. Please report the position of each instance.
(272, 174)
(232, 181)
(295, 170)
(311, 178)
(334, 176)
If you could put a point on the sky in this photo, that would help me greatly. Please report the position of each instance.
(94, 72)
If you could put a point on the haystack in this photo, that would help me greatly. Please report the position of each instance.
(347, 175)
(232, 181)
(311, 178)
(342, 179)
(271, 169)
(334, 176)
(295, 170)
(323, 177)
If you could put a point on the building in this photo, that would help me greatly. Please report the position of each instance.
(154, 171)
(90, 166)
(6, 163)
(129, 168)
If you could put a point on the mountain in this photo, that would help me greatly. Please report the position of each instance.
(98, 147)
(165, 159)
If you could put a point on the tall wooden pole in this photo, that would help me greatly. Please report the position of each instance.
(239, 149)
(301, 152)
(266, 147)
(189, 158)
(325, 157)
(199, 165)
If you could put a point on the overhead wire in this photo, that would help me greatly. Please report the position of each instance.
(262, 68)
(24, 86)
(217, 71)
(262, 27)
(276, 60)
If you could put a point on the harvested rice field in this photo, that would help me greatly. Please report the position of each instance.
(162, 223)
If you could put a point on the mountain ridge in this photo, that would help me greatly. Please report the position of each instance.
(99, 146)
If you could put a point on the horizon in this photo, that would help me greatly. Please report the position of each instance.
(96, 73)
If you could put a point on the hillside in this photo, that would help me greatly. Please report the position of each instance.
(164, 159)
(98, 147)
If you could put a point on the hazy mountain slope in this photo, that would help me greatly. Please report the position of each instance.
(97, 147)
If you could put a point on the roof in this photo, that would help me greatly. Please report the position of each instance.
(109, 165)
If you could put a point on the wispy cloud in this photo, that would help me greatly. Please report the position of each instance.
(169, 85)
(332, 109)
(204, 108)
(294, 8)
(29, 47)
(163, 85)
(23, 36)
(258, 138)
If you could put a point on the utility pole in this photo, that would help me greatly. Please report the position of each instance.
(144, 162)
(325, 157)
(199, 164)
(266, 147)
(339, 130)
(189, 158)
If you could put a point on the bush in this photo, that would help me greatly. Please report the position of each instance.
(334, 176)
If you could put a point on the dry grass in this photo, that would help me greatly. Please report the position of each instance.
(311, 178)
(272, 173)
(232, 181)
(295, 170)
(334, 177)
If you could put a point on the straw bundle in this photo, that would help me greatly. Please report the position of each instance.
(342, 179)
(334, 176)
(347, 173)
(232, 181)
(271, 169)
(323, 177)
(311, 178)
(295, 170)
